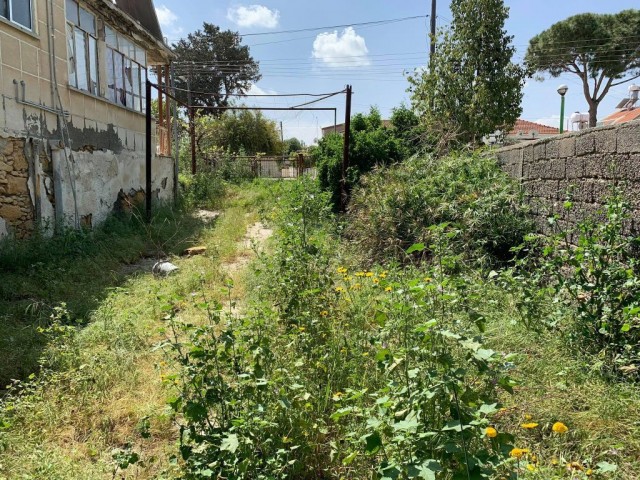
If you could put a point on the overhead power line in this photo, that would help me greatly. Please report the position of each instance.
(313, 29)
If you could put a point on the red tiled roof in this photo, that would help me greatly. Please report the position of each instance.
(622, 116)
(525, 126)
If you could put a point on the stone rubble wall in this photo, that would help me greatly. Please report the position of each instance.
(580, 166)
(17, 212)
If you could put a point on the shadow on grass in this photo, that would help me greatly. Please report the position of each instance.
(77, 269)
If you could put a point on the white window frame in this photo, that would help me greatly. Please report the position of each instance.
(10, 17)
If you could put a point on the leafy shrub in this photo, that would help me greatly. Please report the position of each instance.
(371, 144)
(594, 269)
(398, 206)
(204, 190)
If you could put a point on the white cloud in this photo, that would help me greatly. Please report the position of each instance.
(254, 16)
(341, 50)
(169, 23)
(165, 16)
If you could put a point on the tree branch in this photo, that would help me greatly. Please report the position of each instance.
(606, 90)
(625, 81)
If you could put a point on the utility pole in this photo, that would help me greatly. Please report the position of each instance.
(432, 47)
(192, 127)
(345, 155)
(176, 138)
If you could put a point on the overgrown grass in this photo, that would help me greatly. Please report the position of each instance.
(97, 407)
(76, 268)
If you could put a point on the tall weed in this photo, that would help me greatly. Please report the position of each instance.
(398, 206)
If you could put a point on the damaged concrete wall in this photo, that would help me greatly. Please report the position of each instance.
(105, 141)
(100, 178)
(583, 163)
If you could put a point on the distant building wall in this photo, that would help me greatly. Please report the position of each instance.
(585, 163)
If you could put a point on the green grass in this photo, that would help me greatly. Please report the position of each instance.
(558, 384)
(103, 385)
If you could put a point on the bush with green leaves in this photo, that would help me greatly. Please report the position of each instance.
(593, 268)
(372, 143)
(398, 206)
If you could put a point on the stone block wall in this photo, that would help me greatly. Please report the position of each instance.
(581, 166)
(17, 213)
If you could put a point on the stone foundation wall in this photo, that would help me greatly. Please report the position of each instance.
(17, 214)
(580, 165)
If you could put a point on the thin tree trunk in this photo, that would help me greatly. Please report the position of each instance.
(593, 113)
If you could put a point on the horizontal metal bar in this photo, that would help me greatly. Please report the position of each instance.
(22, 101)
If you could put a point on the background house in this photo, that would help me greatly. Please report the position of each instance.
(339, 128)
(72, 122)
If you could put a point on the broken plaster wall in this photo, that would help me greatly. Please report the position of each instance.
(90, 183)
(17, 212)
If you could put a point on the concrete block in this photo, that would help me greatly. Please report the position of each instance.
(585, 143)
(601, 191)
(539, 151)
(527, 154)
(600, 166)
(556, 169)
(629, 138)
(628, 167)
(553, 148)
(567, 147)
(575, 168)
(606, 141)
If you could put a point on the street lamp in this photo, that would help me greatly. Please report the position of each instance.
(562, 90)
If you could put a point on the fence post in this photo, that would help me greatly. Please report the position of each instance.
(300, 165)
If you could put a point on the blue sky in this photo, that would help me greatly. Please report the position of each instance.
(372, 58)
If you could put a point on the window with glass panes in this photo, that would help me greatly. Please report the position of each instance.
(17, 11)
(82, 48)
(126, 72)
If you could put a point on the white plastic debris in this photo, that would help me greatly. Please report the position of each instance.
(164, 268)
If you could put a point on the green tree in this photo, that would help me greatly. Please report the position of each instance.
(293, 145)
(243, 131)
(471, 87)
(601, 49)
(214, 65)
(371, 144)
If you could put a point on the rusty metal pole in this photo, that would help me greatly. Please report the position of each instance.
(148, 185)
(345, 154)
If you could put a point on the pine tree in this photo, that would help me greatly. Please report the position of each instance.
(471, 87)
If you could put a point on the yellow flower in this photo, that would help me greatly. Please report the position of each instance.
(529, 426)
(347, 278)
(357, 286)
(342, 270)
(376, 281)
(302, 329)
(427, 279)
(339, 289)
(368, 274)
(491, 432)
(324, 313)
(589, 472)
(383, 275)
(388, 289)
(337, 396)
(560, 427)
(359, 274)
(531, 468)
(528, 417)
(519, 452)
(554, 461)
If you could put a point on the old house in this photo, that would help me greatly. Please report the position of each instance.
(72, 125)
